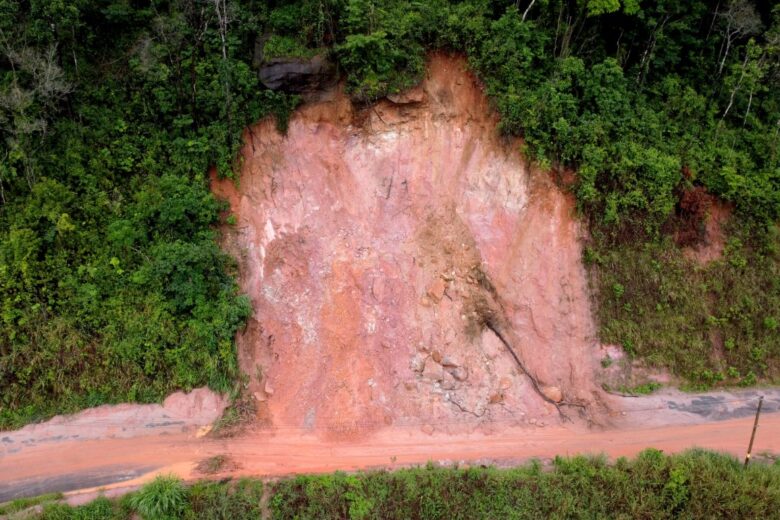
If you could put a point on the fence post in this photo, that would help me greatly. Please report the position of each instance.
(755, 427)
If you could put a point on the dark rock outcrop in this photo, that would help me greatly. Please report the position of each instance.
(408, 97)
(298, 75)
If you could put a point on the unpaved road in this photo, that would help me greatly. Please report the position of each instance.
(714, 421)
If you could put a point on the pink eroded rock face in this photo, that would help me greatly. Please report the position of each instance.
(377, 246)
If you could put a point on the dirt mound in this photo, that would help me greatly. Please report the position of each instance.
(180, 411)
(393, 255)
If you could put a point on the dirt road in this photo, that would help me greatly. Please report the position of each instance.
(71, 464)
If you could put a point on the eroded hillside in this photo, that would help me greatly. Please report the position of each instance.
(394, 255)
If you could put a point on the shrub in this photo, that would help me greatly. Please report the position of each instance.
(163, 498)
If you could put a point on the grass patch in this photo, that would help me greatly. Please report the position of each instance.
(164, 497)
(643, 389)
(710, 325)
(167, 498)
(23, 503)
(696, 484)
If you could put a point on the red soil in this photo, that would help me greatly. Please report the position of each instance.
(374, 242)
(711, 247)
(288, 452)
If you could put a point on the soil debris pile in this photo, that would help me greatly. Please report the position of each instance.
(392, 254)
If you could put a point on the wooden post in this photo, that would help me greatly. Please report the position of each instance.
(755, 427)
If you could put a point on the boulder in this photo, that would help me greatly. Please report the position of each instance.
(449, 384)
(459, 373)
(417, 363)
(553, 393)
(437, 289)
(411, 96)
(433, 371)
(449, 362)
(297, 75)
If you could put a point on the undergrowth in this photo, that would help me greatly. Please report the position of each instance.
(713, 324)
(23, 503)
(695, 484)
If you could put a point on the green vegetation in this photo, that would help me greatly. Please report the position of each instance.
(287, 47)
(711, 324)
(112, 287)
(643, 389)
(213, 464)
(23, 503)
(696, 484)
(163, 498)
(242, 410)
(167, 498)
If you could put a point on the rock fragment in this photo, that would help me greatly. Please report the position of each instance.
(298, 75)
(437, 289)
(417, 363)
(433, 371)
(407, 97)
(448, 361)
(459, 373)
(553, 393)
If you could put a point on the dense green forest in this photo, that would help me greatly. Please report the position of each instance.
(695, 484)
(112, 285)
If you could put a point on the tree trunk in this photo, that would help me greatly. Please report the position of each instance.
(525, 13)
(736, 88)
(725, 54)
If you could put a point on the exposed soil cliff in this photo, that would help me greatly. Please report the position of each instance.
(393, 254)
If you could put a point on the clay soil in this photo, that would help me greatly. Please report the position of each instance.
(65, 465)
(387, 250)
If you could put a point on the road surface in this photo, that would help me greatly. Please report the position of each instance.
(715, 421)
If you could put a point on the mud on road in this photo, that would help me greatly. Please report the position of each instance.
(671, 421)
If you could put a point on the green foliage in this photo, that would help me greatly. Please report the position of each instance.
(643, 389)
(695, 484)
(381, 52)
(99, 509)
(287, 47)
(216, 501)
(112, 287)
(23, 503)
(708, 324)
(241, 411)
(167, 498)
(163, 498)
